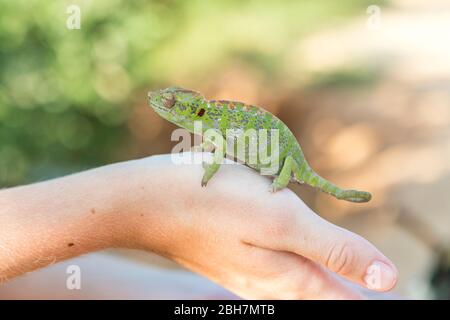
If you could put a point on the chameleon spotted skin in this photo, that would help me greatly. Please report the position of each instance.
(183, 107)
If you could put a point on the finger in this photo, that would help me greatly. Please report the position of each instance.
(286, 275)
(303, 232)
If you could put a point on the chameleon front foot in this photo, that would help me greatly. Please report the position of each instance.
(210, 170)
(282, 180)
(206, 176)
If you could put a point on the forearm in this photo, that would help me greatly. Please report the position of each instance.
(54, 220)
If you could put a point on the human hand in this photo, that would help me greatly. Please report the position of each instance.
(257, 244)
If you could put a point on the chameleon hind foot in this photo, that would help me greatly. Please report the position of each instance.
(283, 179)
(274, 187)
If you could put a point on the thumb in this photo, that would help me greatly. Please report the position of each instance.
(304, 233)
(342, 252)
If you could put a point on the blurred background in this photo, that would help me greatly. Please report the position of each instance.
(364, 85)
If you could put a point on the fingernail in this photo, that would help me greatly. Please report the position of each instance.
(380, 276)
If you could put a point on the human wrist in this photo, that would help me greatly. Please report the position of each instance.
(143, 211)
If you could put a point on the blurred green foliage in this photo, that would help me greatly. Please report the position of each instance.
(345, 77)
(65, 95)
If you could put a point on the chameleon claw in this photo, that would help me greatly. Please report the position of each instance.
(273, 188)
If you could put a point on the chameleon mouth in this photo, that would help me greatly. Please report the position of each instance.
(166, 113)
(162, 111)
(157, 107)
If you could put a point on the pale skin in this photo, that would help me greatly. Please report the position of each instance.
(255, 244)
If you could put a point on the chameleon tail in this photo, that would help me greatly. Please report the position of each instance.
(308, 176)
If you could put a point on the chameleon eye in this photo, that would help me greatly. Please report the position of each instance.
(169, 102)
(201, 112)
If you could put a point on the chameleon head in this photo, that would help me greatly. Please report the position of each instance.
(174, 104)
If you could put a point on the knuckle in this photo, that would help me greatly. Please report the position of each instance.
(341, 258)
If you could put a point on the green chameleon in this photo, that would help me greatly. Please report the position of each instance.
(183, 107)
